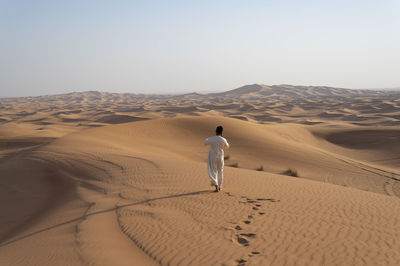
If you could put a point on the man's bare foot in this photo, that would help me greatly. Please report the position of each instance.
(219, 188)
(216, 188)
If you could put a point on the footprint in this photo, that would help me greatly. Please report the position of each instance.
(242, 241)
(250, 216)
(255, 252)
(241, 262)
(247, 222)
(258, 205)
(238, 227)
(251, 235)
(261, 213)
(255, 208)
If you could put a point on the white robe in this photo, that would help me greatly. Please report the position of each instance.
(215, 162)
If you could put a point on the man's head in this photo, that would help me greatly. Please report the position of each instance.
(219, 130)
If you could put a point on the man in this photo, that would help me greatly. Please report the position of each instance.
(215, 162)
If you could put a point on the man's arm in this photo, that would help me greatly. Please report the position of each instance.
(226, 144)
(206, 141)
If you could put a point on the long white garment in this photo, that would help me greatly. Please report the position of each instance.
(215, 163)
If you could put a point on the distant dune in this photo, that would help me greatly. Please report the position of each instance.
(257, 103)
(99, 178)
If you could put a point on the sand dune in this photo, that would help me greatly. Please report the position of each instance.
(259, 103)
(81, 191)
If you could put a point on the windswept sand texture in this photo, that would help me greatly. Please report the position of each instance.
(120, 179)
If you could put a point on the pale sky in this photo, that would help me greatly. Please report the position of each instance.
(50, 47)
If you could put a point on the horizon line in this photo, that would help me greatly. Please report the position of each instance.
(203, 92)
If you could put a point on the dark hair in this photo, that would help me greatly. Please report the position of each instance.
(219, 130)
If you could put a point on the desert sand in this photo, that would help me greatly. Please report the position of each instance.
(97, 178)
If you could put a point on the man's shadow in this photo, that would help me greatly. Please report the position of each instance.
(104, 211)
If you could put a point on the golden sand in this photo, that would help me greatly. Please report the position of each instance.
(115, 179)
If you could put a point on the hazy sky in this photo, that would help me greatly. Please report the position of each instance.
(49, 47)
